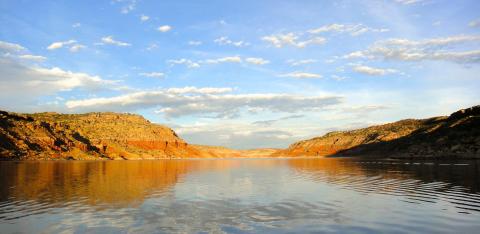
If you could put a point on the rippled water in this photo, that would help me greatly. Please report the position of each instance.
(240, 196)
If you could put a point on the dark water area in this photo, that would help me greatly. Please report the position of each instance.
(240, 196)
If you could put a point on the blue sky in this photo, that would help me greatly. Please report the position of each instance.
(242, 74)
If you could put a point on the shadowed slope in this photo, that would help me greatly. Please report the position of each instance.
(457, 135)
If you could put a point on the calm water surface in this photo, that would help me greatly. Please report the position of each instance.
(240, 196)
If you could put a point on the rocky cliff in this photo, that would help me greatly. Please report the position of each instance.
(87, 136)
(454, 136)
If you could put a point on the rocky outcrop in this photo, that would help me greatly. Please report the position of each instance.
(454, 136)
(87, 136)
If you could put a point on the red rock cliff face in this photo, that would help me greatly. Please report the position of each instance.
(88, 136)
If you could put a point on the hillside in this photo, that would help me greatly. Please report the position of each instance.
(106, 136)
(454, 136)
(87, 136)
(98, 136)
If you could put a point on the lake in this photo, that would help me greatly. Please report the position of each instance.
(240, 196)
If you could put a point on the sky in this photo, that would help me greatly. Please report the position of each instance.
(242, 74)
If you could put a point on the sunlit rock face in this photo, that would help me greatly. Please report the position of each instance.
(457, 136)
(87, 136)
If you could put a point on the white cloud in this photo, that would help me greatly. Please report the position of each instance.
(353, 29)
(373, 71)
(60, 44)
(355, 54)
(164, 28)
(230, 59)
(474, 23)
(71, 44)
(36, 58)
(12, 50)
(216, 102)
(226, 41)
(144, 18)
(37, 81)
(300, 62)
(257, 61)
(189, 63)
(77, 47)
(292, 39)
(11, 47)
(302, 75)
(428, 49)
(194, 43)
(76, 25)
(109, 40)
(153, 74)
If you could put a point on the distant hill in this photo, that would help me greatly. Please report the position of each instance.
(454, 136)
(105, 136)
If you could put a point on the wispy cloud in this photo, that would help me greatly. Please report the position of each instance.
(226, 41)
(302, 75)
(474, 23)
(229, 59)
(110, 41)
(9, 47)
(300, 62)
(152, 46)
(427, 49)
(36, 58)
(273, 121)
(152, 74)
(128, 5)
(373, 71)
(189, 63)
(60, 44)
(292, 39)
(257, 61)
(144, 18)
(352, 29)
(77, 47)
(194, 43)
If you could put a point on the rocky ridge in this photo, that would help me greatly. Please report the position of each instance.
(106, 136)
(87, 136)
(454, 136)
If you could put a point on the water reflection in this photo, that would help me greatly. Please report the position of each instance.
(264, 195)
